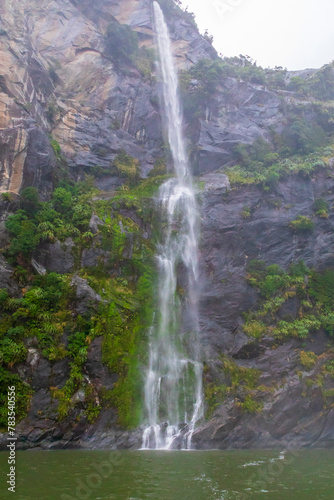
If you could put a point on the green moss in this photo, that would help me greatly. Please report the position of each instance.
(308, 359)
(123, 319)
(231, 380)
(159, 168)
(214, 396)
(302, 224)
(120, 352)
(246, 213)
(239, 375)
(45, 310)
(127, 398)
(127, 167)
(300, 328)
(314, 292)
(6, 197)
(249, 405)
(145, 61)
(329, 367)
(56, 147)
(260, 166)
(124, 348)
(23, 393)
(121, 42)
(323, 214)
(271, 280)
(255, 329)
(328, 394)
(321, 288)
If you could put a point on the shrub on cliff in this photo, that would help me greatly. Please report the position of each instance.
(321, 208)
(322, 288)
(23, 393)
(127, 167)
(300, 137)
(62, 200)
(29, 199)
(172, 8)
(302, 223)
(23, 232)
(121, 42)
(308, 359)
(199, 84)
(313, 291)
(319, 85)
(11, 352)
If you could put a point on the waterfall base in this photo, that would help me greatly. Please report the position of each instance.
(167, 437)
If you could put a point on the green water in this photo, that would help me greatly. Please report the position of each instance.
(138, 475)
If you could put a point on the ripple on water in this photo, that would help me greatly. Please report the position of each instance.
(231, 475)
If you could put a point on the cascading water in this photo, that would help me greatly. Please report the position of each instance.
(173, 385)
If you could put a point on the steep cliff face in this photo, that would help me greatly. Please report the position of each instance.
(296, 411)
(233, 240)
(80, 295)
(56, 76)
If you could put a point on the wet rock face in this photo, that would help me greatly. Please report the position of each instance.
(230, 241)
(26, 157)
(40, 163)
(56, 257)
(86, 298)
(292, 417)
(42, 428)
(96, 370)
(6, 276)
(240, 113)
(56, 78)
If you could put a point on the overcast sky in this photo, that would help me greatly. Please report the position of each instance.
(296, 34)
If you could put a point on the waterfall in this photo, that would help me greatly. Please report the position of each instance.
(173, 379)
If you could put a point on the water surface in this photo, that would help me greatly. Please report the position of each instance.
(172, 475)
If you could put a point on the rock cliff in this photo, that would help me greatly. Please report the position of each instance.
(83, 126)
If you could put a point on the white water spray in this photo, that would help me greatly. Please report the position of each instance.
(173, 384)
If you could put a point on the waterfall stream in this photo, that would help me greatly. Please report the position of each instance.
(173, 379)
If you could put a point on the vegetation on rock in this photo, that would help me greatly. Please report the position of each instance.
(232, 381)
(313, 291)
(302, 224)
(41, 317)
(46, 308)
(258, 165)
(121, 42)
(172, 9)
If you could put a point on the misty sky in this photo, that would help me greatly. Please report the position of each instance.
(296, 34)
